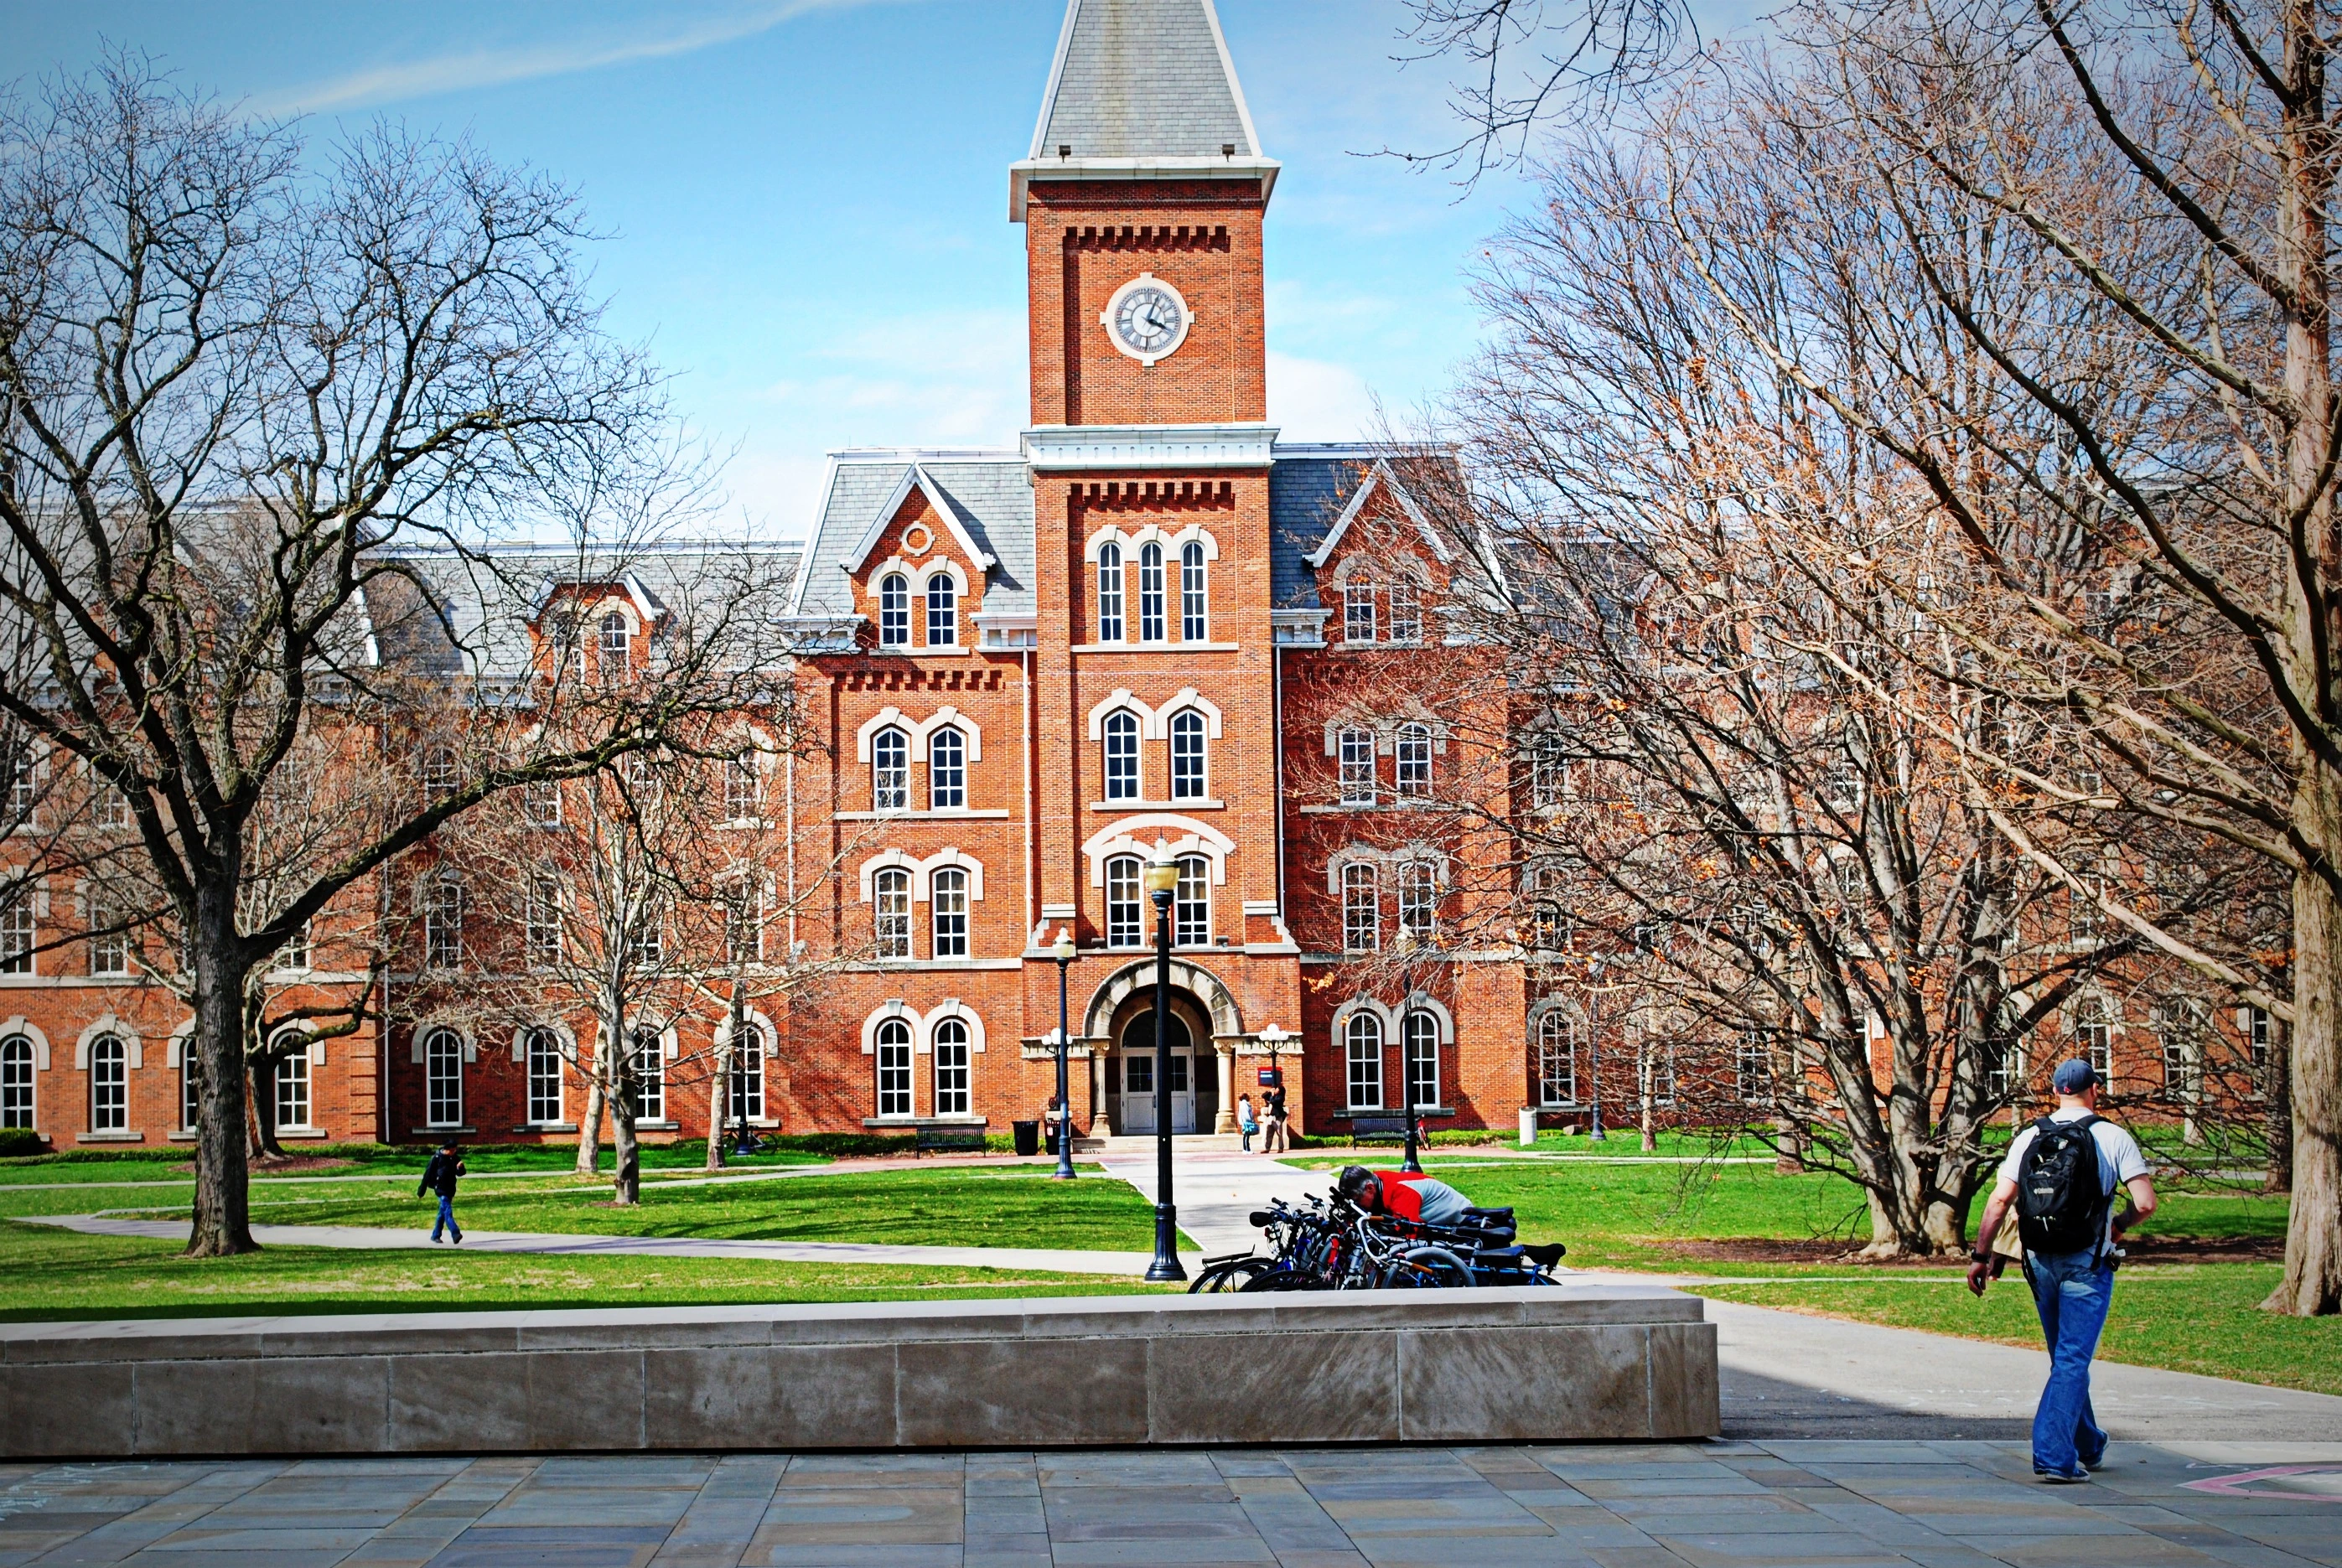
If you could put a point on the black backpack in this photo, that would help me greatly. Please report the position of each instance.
(2061, 1205)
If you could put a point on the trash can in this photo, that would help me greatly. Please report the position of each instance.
(1027, 1135)
(1049, 1138)
(1528, 1126)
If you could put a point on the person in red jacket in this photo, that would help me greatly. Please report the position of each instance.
(1403, 1195)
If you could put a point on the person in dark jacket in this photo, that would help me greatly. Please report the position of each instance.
(439, 1176)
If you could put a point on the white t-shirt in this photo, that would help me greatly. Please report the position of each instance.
(2119, 1155)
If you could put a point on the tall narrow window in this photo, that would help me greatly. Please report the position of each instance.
(1362, 1041)
(544, 1077)
(17, 1082)
(1358, 612)
(1195, 601)
(949, 896)
(293, 1088)
(299, 947)
(439, 773)
(744, 921)
(109, 944)
(942, 611)
(951, 1068)
(618, 647)
(748, 1078)
(1418, 899)
(891, 889)
(1188, 781)
(1412, 773)
(1557, 1044)
(109, 1084)
(650, 1077)
(191, 1089)
(2094, 1034)
(1123, 927)
(1121, 755)
(109, 807)
(1150, 593)
(744, 786)
(443, 922)
(1422, 1058)
(1355, 748)
(542, 932)
(894, 611)
(17, 934)
(646, 937)
(1752, 1068)
(1549, 782)
(541, 802)
(1110, 581)
(2259, 1030)
(23, 777)
(947, 771)
(443, 1079)
(894, 1064)
(890, 771)
(1406, 611)
(1659, 1066)
(1191, 910)
(1362, 913)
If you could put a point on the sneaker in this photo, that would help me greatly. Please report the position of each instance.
(458, 1238)
(2060, 1478)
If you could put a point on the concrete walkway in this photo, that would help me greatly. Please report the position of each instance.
(1767, 1505)
(1216, 1189)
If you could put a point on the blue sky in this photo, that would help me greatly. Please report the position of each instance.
(808, 198)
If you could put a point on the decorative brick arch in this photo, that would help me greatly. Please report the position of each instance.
(1207, 987)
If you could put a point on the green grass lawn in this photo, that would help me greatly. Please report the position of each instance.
(55, 1274)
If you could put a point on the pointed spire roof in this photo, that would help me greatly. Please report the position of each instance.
(1142, 89)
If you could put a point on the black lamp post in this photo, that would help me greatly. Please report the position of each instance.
(1413, 1163)
(1063, 954)
(1162, 878)
(1595, 1133)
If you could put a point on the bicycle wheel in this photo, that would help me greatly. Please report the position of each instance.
(1231, 1275)
(1282, 1280)
(1426, 1268)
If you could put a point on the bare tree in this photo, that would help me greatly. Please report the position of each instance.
(235, 395)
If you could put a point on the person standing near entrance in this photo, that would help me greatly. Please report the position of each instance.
(440, 1176)
(2061, 1175)
(1246, 1123)
(1273, 1117)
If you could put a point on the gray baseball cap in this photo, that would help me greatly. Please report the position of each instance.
(2073, 1076)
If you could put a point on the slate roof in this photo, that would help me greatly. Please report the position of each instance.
(988, 490)
(1144, 78)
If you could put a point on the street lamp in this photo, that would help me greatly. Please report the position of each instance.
(1595, 1133)
(1063, 954)
(1162, 879)
(1413, 1163)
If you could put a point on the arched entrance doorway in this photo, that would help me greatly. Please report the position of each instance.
(1189, 1068)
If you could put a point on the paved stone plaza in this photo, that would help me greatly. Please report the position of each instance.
(1713, 1505)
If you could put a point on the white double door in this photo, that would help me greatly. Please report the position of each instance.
(1138, 1090)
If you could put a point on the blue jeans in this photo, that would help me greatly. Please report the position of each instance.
(447, 1218)
(2072, 1292)
(1248, 1136)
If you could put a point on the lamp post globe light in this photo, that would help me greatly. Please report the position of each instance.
(1063, 954)
(1162, 879)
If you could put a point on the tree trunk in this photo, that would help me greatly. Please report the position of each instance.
(264, 1106)
(223, 1219)
(721, 1106)
(2312, 1285)
(589, 1126)
(626, 1150)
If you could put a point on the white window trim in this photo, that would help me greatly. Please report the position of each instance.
(427, 1027)
(922, 873)
(919, 730)
(1150, 534)
(1121, 838)
(20, 1024)
(133, 1051)
(756, 1021)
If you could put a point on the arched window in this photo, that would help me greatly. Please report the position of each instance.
(894, 611)
(948, 895)
(1422, 1058)
(1150, 593)
(748, 1077)
(1124, 926)
(650, 1077)
(293, 1088)
(1406, 611)
(1559, 1037)
(1358, 611)
(891, 889)
(2094, 1035)
(893, 1063)
(1413, 771)
(947, 771)
(942, 611)
(1356, 750)
(191, 1088)
(1194, 604)
(1121, 755)
(16, 1081)
(1418, 899)
(1362, 911)
(617, 652)
(109, 1084)
(443, 1079)
(890, 771)
(19, 932)
(951, 1068)
(1109, 582)
(543, 1048)
(1361, 1041)
(1188, 781)
(1191, 910)
(443, 922)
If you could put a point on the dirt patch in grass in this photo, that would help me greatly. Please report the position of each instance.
(2144, 1251)
(291, 1165)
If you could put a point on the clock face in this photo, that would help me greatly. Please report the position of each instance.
(1146, 319)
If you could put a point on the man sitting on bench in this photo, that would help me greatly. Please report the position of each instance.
(1404, 1195)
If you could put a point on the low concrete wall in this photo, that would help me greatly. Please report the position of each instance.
(1491, 1365)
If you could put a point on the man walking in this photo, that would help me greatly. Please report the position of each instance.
(1272, 1106)
(2060, 1175)
(439, 1176)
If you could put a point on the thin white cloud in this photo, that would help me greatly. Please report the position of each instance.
(495, 67)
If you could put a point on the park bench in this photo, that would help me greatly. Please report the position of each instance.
(1377, 1129)
(947, 1141)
